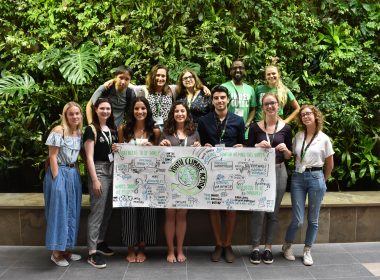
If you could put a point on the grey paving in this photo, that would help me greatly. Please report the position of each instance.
(331, 261)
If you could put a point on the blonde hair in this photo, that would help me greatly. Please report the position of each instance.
(64, 121)
(263, 115)
(282, 90)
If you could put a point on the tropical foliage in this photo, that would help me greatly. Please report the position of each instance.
(55, 51)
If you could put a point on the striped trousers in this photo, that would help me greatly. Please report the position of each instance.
(138, 224)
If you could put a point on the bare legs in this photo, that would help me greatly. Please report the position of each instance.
(216, 224)
(136, 256)
(175, 225)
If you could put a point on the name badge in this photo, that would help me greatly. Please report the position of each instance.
(159, 121)
(110, 157)
(300, 168)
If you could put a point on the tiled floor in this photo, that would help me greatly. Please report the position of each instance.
(331, 261)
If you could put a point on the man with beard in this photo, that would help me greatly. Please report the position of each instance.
(243, 97)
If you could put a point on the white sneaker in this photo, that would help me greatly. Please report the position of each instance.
(307, 259)
(287, 251)
(60, 262)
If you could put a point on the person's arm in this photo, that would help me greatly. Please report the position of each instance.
(120, 133)
(296, 108)
(157, 135)
(251, 117)
(89, 112)
(89, 148)
(53, 153)
(92, 101)
(329, 165)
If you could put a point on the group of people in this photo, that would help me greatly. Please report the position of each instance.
(233, 114)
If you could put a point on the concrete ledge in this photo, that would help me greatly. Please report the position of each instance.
(345, 217)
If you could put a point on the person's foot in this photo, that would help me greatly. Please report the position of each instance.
(140, 257)
(287, 252)
(229, 254)
(255, 257)
(307, 259)
(69, 256)
(267, 257)
(217, 254)
(59, 260)
(131, 255)
(103, 249)
(171, 258)
(96, 260)
(181, 257)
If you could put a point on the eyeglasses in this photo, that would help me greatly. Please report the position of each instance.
(187, 78)
(306, 114)
(272, 103)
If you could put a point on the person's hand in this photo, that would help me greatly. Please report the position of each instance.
(97, 188)
(238, 146)
(114, 147)
(208, 145)
(147, 143)
(196, 144)
(108, 84)
(206, 91)
(281, 147)
(263, 144)
(165, 142)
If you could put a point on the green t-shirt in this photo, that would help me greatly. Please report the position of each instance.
(260, 92)
(242, 99)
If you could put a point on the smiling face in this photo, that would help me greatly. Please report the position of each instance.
(188, 80)
(307, 117)
(139, 111)
(220, 100)
(237, 71)
(74, 117)
(272, 75)
(122, 81)
(270, 105)
(103, 110)
(160, 78)
(180, 113)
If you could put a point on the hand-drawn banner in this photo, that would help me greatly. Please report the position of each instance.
(195, 178)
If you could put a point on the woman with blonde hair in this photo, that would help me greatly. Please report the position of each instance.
(275, 85)
(62, 186)
(190, 90)
(313, 166)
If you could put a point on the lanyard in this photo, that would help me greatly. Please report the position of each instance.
(108, 138)
(158, 104)
(189, 102)
(303, 152)
(184, 141)
(223, 131)
(237, 94)
(266, 133)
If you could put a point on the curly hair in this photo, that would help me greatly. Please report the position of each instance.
(170, 124)
(128, 128)
(181, 89)
(151, 80)
(95, 119)
(317, 115)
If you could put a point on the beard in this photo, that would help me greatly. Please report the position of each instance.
(238, 77)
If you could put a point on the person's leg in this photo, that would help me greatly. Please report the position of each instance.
(180, 233)
(106, 182)
(257, 221)
(216, 225)
(148, 231)
(129, 231)
(230, 228)
(170, 215)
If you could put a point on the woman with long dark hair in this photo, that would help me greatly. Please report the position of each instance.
(139, 225)
(179, 130)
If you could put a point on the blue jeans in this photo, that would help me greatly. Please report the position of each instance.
(312, 184)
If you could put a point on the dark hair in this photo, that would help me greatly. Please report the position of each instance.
(170, 124)
(220, 88)
(95, 120)
(122, 69)
(128, 129)
(151, 80)
(181, 89)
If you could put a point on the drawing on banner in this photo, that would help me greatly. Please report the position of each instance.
(194, 178)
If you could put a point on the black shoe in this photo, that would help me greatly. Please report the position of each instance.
(96, 260)
(255, 257)
(103, 249)
(267, 257)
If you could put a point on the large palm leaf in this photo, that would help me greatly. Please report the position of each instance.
(12, 84)
(80, 65)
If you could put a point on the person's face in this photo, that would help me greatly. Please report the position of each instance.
(220, 100)
(139, 111)
(180, 113)
(270, 105)
(271, 75)
(237, 71)
(122, 80)
(307, 117)
(73, 116)
(188, 80)
(160, 77)
(103, 111)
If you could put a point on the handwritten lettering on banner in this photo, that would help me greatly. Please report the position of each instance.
(195, 178)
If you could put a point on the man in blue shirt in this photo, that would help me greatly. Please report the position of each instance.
(221, 128)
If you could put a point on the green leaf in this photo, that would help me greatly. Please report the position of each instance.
(12, 84)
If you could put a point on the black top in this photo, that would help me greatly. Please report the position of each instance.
(102, 148)
(199, 107)
(211, 129)
(284, 135)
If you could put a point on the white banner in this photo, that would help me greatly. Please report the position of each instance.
(194, 178)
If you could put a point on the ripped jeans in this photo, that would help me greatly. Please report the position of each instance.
(312, 184)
